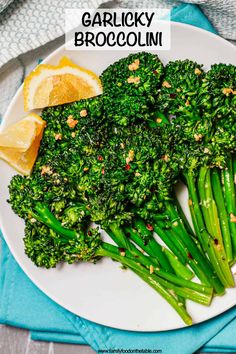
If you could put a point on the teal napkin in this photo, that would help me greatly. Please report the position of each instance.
(23, 305)
(191, 15)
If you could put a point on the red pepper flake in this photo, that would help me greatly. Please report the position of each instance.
(100, 158)
(149, 227)
(127, 167)
(103, 171)
(190, 256)
(216, 242)
(173, 95)
(89, 233)
(155, 72)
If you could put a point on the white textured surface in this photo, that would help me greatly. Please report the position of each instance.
(28, 24)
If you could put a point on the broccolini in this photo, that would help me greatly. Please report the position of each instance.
(115, 160)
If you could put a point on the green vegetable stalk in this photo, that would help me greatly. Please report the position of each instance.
(81, 243)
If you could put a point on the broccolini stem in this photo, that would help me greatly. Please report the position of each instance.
(45, 216)
(193, 249)
(213, 226)
(132, 250)
(180, 269)
(152, 246)
(204, 237)
(183, 282)
(234, 169)
(172, 300)
(220, 203)
(158, 283)
(135, 237)
(133, 253)
(182, 255)
(230, 198)
(118, 235)
(146, 261)
(197, 296)
(216, 226)
(178, 226)
(203, 200)
(169, 241)
(183, 217)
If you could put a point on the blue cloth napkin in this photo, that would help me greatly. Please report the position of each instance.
(191, 15)
(22, 304)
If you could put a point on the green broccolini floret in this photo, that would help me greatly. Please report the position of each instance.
(126, 109)
(40, 245)
(84, 117)
(181, 101)
(47, 242)
(130, 87)
(179, 94)
(219, 106)
(187, 96)
(145, 68)
(55, 181)
(219, 91)
(134, 169)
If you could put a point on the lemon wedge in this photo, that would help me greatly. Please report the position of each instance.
(27, 135)
(19, 136)
(50, 85)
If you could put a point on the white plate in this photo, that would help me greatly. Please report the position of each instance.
(104, 293)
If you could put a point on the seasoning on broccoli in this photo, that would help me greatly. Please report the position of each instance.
(115, 160)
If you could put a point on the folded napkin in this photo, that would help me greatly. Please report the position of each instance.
(22, 304)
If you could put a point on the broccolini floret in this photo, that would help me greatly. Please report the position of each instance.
(179, 93)
(219, 91)
(136, 75)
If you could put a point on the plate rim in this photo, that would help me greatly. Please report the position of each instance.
(18, 259)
